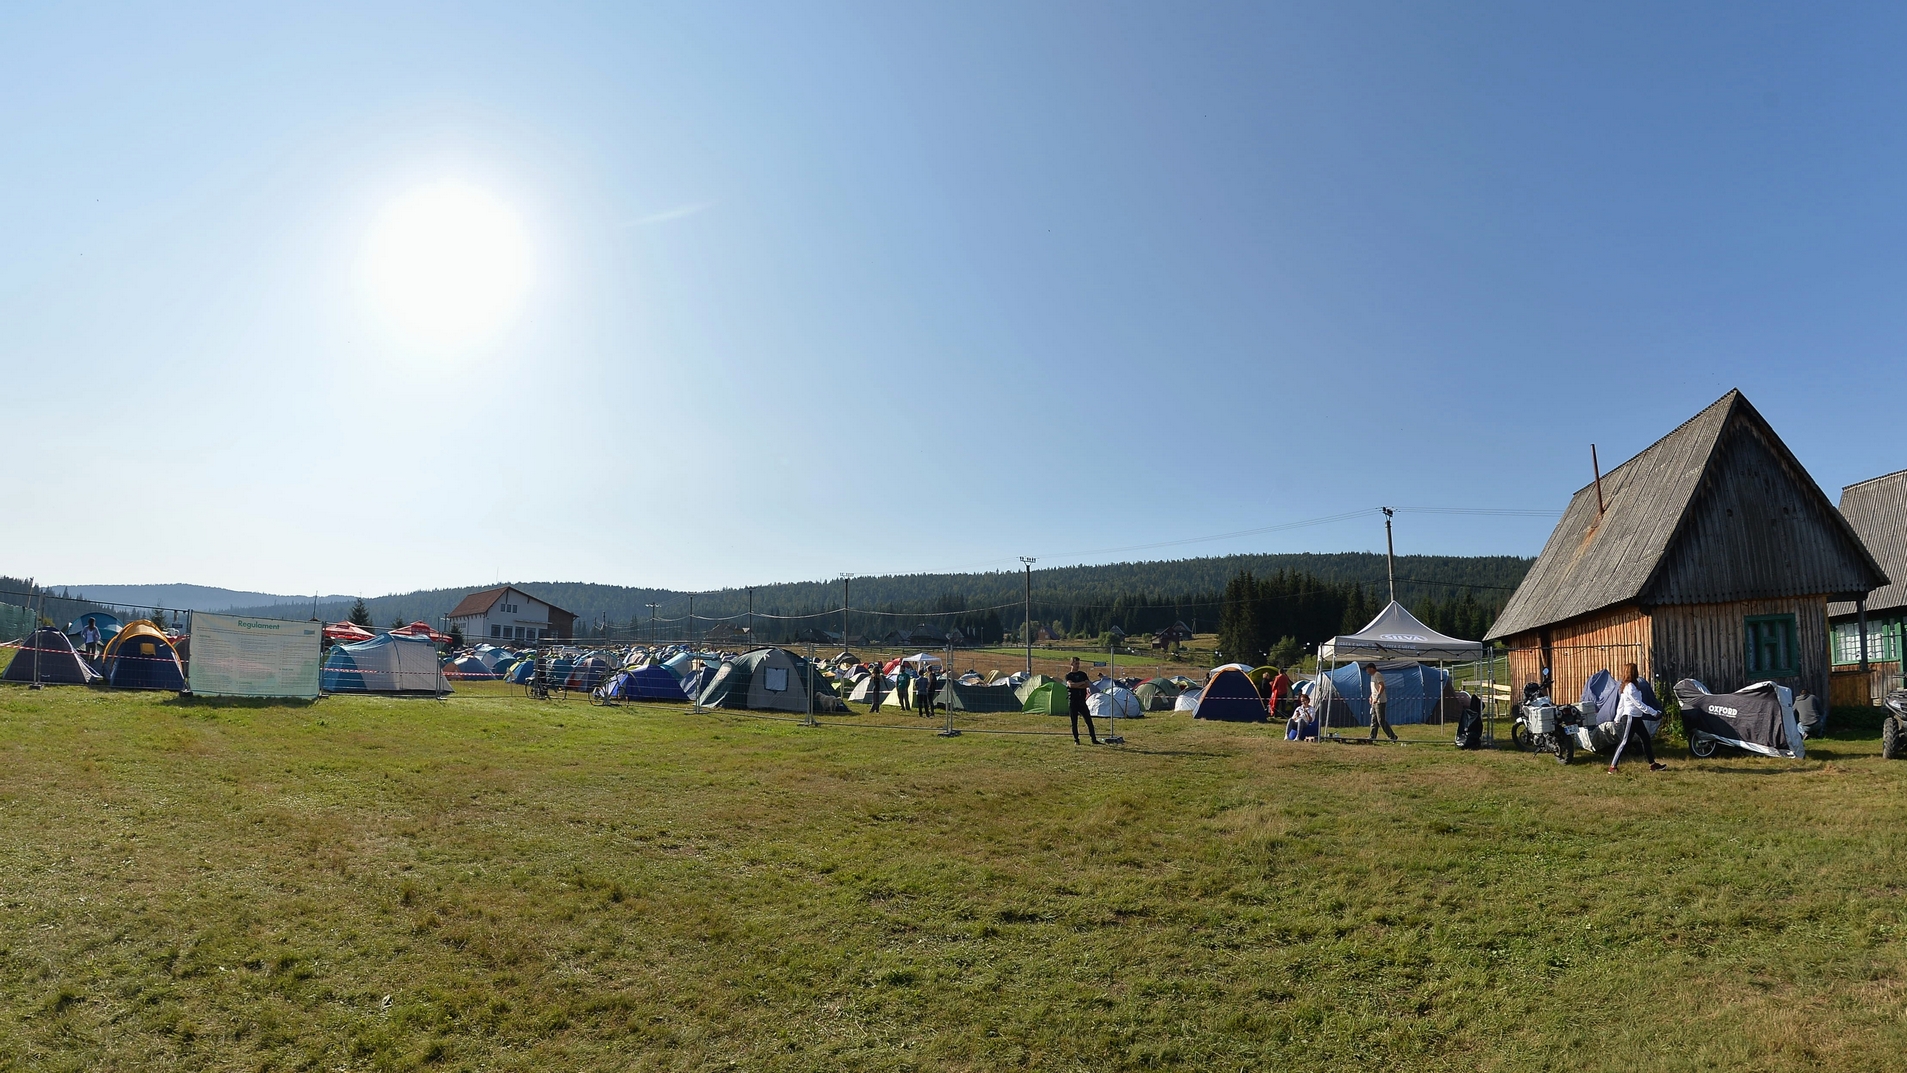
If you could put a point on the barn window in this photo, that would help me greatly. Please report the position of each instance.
(1772, 648)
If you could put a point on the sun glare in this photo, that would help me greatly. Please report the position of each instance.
(448, 264)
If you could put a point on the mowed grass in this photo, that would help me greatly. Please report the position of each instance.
(494, 883)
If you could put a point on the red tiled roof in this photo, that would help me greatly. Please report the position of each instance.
(479, 603)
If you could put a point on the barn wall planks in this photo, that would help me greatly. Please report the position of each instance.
(1857, 688)
(1707, 642)
(1578, 649)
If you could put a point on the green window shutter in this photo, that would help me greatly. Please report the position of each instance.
(1772, 646)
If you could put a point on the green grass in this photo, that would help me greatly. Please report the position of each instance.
(491, 883)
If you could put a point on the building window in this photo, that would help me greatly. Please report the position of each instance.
(1883, 641)
(1772, 648)
(519, 633)
(496, 631)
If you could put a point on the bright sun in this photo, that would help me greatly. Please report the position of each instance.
(448, 264)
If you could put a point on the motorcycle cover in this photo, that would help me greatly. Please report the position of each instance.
(1759, 719)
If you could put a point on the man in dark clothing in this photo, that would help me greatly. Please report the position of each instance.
(1076, 686)
(874, 687)
(929, 690)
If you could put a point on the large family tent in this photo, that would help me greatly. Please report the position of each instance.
(1047, 698)
(1229, 696)
(651, 681)
(960, 697)
(47, 656)
(1418, 694)
(1157, 694)
(142, 657)
(388, 663)
(768, 679)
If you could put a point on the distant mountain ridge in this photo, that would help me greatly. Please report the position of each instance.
(186, 597)
(1064, 593)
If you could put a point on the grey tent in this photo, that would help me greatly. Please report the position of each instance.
(768, 679)
(965, 698)
(1395, 634)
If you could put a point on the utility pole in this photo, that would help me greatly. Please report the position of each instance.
(844, 611)
(652, 623)
(1390, 553)
(691, 621)
(751, 616)
(1027, 625)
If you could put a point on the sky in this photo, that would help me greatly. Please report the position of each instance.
(779, 291)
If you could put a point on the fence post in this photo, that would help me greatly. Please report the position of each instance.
(810, 720)
(947, 731)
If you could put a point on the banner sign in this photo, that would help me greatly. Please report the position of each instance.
(254, 657)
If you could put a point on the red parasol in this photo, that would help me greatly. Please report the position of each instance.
(421, 628)
(347, 631)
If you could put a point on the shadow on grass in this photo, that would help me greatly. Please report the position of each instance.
(188, 700)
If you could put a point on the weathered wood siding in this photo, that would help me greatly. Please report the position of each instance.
(1707, 641)
(1580, 648)
(1858, 688)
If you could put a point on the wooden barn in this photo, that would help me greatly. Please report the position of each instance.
(1711, 555)
(1866, 637)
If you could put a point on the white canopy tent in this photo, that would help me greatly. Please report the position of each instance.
(1396, 635)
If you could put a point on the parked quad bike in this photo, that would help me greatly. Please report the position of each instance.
(1894, 730)
(1543, 726)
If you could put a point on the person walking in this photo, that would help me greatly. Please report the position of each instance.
(1280, 692)
(1077, 686)
(1630, 710)
(1380, 704)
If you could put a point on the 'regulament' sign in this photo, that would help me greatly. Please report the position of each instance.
(234, 656)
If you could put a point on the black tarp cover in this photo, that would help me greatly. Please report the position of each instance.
(1758, 718)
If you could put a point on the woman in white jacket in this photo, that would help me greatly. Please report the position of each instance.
(1631, 710)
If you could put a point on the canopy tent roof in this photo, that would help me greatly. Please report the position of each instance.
(421, 629)
(1395, 634)
(347, 631)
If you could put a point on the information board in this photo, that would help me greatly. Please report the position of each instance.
(254, 657)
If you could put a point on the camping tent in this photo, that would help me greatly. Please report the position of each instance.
(961, 697)
(108, 625)
(141, 657)
(58, 664)
(389, 663)
(1025, 689)
(469, 667)
(1229, 695)
(1156, 694)
(769, 679)
(1418, 694)
(1395, 634)
(1115, 702)
(521, 671)
(864, 690)
(1187, 701)
(587, 673)
(651, 681)
(1047, 698)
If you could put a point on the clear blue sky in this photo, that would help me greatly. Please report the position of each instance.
(889, 287)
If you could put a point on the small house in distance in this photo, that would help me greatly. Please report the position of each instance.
(1711, 555)
(1877, 509)
(510, 614)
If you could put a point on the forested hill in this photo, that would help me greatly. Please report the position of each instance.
(1080, 598)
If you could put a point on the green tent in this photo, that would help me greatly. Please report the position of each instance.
(1047, 698)
(1157, 694)
(1025, 689)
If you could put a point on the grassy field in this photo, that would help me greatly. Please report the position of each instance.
(492, 883)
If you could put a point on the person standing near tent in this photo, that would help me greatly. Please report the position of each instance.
(904, 687)
(1380, 704)
(1077, 686)
(89, 638)
(874, 687)
(1630, 710)
(1280, 692)
(927, 688)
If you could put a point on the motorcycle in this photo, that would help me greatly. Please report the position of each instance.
(1543, 726)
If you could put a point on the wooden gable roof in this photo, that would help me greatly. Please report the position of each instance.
(1717, 510)
(1877, 509)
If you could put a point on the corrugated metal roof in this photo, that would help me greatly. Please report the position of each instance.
(1718, 509)
(1877, 509)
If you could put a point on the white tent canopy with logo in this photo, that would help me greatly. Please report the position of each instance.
(1395, 634)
